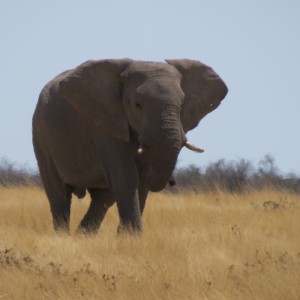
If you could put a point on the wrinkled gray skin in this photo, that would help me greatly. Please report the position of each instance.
(90, 122)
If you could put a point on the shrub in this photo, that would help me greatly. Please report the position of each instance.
(235, 177)
(13, 175)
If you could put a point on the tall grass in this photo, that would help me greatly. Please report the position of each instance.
(205, 246)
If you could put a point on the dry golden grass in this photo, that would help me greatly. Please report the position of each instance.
(209, 246)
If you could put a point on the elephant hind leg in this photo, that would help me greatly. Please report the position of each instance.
(60, 203)
(58, 193)
(101, 200)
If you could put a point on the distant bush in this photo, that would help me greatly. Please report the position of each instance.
(235, 177)
(12, 175)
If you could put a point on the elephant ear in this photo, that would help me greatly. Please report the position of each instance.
(203, 89)
(94, 89)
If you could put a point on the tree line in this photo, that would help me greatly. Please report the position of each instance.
(235, 176)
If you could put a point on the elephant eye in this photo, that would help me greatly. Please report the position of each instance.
(138, 105)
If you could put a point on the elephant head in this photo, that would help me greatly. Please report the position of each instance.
(151, 105)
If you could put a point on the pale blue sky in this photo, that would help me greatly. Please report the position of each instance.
(254, 46)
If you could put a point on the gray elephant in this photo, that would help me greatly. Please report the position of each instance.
(115, 128)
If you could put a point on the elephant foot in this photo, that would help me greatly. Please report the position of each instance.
(87, 229)
(129, 228)
(61, 225)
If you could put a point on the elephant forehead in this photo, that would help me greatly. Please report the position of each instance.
(152, 69)
(161, 87)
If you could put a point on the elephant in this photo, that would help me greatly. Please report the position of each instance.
(114, 128)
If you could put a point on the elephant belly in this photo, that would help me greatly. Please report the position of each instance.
(82, 172)
(78, 161)
(86, 179)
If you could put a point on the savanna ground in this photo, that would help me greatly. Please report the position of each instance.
(205, 246)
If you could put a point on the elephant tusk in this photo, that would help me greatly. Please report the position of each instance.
(140, 150)
(193, 148)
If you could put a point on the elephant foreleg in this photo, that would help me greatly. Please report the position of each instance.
(122, 177)
(129, 212)
(101, 200)
(125, 189)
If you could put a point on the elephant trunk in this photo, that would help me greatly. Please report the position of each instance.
(161, 171)
(164, 149)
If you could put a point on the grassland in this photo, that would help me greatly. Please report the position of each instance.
(205, 246)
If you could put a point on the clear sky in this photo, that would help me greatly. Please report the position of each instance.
(254, 46)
